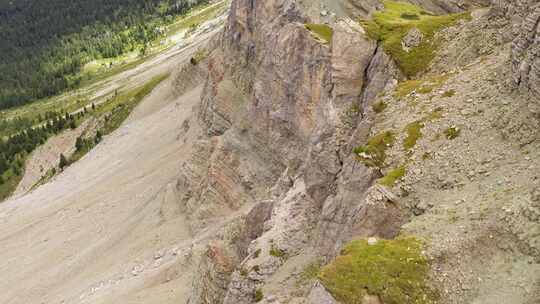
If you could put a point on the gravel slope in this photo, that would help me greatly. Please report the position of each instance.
(108, 228)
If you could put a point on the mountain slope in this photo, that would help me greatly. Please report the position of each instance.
(306, 167)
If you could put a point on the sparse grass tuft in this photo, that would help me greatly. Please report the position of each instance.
(414, 133)
(452, 132)
(407, 87)
(394, 270)
(321, 31)
(435, 115)
(259, 296)
(420, 86)
(374, 153)
(392, 24)
(449, 93)
(379, 106)
(453, 217)
(393, 176)
(278, 253)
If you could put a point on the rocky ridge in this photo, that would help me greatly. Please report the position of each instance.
(281, 112)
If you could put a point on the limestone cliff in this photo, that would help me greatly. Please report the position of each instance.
(282, 109)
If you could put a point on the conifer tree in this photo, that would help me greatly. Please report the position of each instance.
(63, 161)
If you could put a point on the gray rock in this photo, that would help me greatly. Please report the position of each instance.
(535, 195)
(413, 39)
(213, 274)
(526, 47)
(319, 295)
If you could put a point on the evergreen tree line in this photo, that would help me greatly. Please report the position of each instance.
(12, 126)
(13, 150)
(44, 44)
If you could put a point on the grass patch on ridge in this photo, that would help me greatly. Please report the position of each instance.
(392, 24)
(394, 270)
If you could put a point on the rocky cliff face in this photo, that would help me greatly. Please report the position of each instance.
(281, 111)
(526, 46)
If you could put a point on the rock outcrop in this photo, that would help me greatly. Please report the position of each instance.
(526, 50)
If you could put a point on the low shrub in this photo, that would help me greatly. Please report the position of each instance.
(374, 153)
(392, 177)
(452, 132)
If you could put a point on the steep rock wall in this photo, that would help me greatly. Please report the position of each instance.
(281, 112)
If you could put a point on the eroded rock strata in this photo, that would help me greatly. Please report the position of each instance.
(282, 110)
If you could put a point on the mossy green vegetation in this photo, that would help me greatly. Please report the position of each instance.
(452, 132)
(414, 133)
(392, 24)
(374, 153)
(321, 31)
(393, 176)
(308, 276)
(310, 272)
(394, 270)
